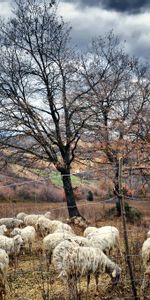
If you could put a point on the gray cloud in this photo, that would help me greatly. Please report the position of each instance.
(128, 6)
(90, 19)
(93, 21)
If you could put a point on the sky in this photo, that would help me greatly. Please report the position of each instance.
(130, 19)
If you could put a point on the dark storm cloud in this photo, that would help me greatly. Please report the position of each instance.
(128, 6)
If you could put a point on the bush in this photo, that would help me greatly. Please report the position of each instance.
(89, 196)
(132, 214)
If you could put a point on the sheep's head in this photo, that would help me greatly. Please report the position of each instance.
(15, 231)
(18, 241)
(115, 275)
(3, 228)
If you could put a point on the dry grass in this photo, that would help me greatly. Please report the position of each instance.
(30, 281)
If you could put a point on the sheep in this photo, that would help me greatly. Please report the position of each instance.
(51, 241)
(42, 225)
(4, 262)
(103, 230)
(58, 225)
(21, 216)
(31, 220)
(11, 245)
(106, 238)
(89, 230)
(27, 234)
(3, 229)
(11, 222)
(146, 263)
(73, 261)
(45, 226)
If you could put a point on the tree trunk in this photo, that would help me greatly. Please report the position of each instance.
(71, 204)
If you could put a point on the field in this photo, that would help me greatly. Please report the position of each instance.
(31, 281)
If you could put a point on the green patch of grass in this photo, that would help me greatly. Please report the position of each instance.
(56, 179)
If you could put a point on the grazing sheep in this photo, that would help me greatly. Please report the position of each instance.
(41, 225)
(21, 216)
(73, 261)
(3, 229)
(146, 263)
(4, 262)
(103, 230)
(45, 226)
(31, 220)
(58, 225)
(11, 245)
(27, 234)
(51, 241)
(106, 238)
(11, 222)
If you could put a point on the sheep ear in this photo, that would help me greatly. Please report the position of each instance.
(114, 274)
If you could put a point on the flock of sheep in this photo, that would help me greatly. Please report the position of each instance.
(72, 256)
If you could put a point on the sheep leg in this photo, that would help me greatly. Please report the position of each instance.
(96, 280)
(48, 261)
(30, 248)
(16, 262)
(87, 288)
(145, 284)
(72, 289)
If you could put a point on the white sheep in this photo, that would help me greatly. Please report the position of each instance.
(89, 230)
(103, 230)
(42, 225)
(28, 235)
(11, 245)
(4, 262)
(11, 222)
(31, 220)
(21, 216)
(106, 238)
(45, 226)
(51, 241)
(73, 261)
(56, 225)
(3, 229)
(146, 263)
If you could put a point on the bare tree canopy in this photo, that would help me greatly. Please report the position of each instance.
(41, 90)
(120, 95)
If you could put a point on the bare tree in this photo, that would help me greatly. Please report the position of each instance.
(119, 92)
(42, 95)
